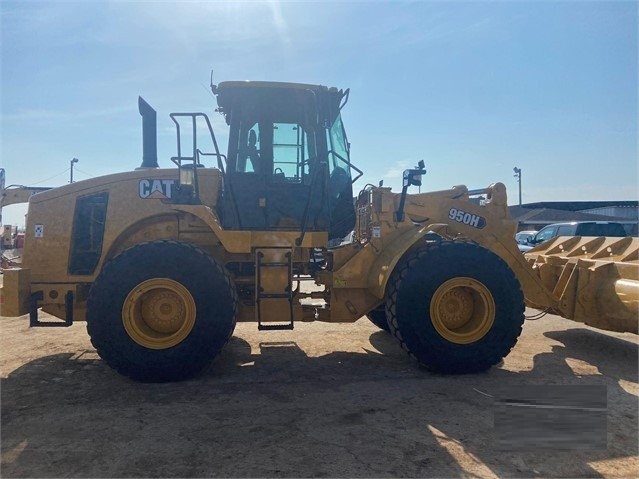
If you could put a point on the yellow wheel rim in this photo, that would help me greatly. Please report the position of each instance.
(159, 313)
(462, 310)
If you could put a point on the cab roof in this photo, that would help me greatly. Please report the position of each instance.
(236, 95)
(271, 84)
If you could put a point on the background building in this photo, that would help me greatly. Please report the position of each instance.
(534, 216)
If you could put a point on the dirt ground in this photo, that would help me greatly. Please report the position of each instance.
(321, 401)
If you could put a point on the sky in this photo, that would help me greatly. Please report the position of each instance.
(472, 88)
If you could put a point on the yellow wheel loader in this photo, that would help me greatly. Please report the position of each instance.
(162, 262)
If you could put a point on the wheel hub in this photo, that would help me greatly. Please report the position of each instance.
(462, 310)
(162, 310)
(159, 313)
(456, 308)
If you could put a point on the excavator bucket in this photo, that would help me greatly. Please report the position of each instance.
(595, 278)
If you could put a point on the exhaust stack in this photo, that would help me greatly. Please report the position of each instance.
(149, 135)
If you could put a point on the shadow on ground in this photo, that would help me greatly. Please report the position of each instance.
(271, 410)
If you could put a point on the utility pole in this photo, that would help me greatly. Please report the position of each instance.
(518, 176)
(1, 188)
(74, 160)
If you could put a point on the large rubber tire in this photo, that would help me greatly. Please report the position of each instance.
(161, 311)
(455, 306)
(378, 318)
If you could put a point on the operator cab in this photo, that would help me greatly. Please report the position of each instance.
(288, 165)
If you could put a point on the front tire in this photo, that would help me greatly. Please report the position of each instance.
(161, 311)
(456, 307)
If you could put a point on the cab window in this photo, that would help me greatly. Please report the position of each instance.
(248, 157)
(291, 151)
(565, 230)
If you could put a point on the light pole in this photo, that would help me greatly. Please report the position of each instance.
(74, 160)
(518, 176)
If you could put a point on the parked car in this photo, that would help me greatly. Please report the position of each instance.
(576, 228)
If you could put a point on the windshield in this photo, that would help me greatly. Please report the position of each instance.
(274, 136)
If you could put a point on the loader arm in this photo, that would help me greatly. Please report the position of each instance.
(451, 214)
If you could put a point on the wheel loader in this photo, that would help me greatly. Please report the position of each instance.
(162, 262)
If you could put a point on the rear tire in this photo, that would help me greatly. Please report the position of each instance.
(161, 311)
(456, 307)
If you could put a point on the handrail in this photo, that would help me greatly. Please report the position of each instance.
(196, 151)
(349, 164)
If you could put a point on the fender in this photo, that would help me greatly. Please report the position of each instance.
(233, 242)
(244, 241)
(385, 262)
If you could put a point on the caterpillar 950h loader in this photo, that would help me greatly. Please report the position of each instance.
(161, 263)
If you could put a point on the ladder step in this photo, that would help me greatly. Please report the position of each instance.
(33, 313)
(272, 258)
(275, 327)
(275, 296)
